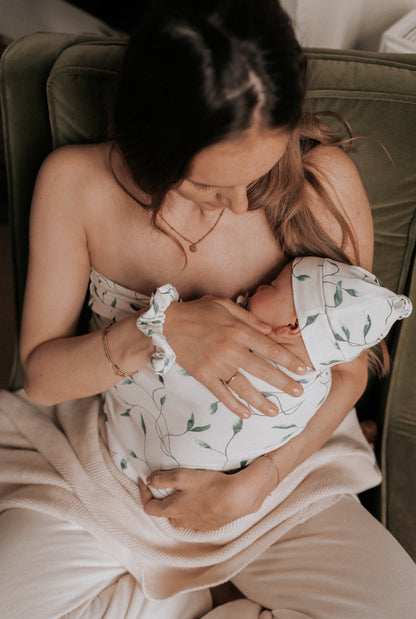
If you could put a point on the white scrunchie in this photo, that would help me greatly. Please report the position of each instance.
(151, 324)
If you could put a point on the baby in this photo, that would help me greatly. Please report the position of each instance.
(326, 312)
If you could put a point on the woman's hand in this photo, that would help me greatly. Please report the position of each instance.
(213, 337)
(207, 500)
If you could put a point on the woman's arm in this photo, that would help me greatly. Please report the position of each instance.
(348, 384)
(57, 365)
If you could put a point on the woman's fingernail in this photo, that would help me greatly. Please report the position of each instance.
(273, 411)
(301, 369)
(246, 415)
(297, 390)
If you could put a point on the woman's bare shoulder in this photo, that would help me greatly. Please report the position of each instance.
(72, 177)
(335, 167)
(340, 178)
(78, 160)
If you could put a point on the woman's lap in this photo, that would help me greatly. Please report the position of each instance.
(50, 568)
(45, 561)
(339, 563)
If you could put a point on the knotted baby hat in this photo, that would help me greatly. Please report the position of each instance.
(342, 309)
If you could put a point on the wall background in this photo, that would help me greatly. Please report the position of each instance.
(20, 17)
(348, 24)
(355, 24)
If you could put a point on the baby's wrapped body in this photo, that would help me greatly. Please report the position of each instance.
(159, 422)
(164, 422)
(162, 418)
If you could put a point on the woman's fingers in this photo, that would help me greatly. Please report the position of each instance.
(245, 390)
(161, 508)
(225, 395)
(242, 387)
(257, 366)
(245, 316)
(265, 347)
(145, 493)
(152, 506)
(182, 508)
(174, 478)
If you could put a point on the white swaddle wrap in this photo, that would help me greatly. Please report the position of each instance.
(162, 418)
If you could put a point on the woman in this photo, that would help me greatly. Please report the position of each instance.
(211, 163)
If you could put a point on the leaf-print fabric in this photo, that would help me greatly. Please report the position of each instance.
(342, 309)
(162, 422)
(151, 324)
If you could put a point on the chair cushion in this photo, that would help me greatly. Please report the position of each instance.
(80, 88)
(378, 99)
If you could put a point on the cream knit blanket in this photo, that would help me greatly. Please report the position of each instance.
(54, 460)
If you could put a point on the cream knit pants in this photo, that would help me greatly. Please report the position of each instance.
(339, 564)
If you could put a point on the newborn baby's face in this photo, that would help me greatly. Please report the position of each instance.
(273, 303)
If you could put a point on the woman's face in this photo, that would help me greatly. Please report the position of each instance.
(220, 174)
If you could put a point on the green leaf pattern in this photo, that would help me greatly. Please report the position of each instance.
(156, 422)
(346, 301)
(367, 326)
(338, 294)
(311, 319)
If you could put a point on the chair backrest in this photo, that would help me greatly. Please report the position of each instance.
(56, 89)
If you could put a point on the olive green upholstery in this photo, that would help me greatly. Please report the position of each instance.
(56, 89)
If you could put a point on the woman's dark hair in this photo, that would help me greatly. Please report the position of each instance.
(197, 72)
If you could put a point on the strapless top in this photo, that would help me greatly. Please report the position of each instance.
(163, 422)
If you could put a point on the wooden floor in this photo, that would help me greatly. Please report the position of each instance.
(7, 323)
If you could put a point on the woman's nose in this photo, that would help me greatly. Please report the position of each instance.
(235, 199)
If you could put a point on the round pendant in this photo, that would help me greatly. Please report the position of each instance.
(193, 248)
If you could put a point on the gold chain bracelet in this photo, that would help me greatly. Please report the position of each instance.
(116, 369)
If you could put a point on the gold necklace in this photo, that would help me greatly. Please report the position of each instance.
(193, 245)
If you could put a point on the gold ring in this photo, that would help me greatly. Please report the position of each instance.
(227, 382)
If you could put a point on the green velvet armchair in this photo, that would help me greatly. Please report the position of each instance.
(56, 89)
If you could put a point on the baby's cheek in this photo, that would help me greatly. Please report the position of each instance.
(259, 305)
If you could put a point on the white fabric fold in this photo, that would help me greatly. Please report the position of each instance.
(151, 324)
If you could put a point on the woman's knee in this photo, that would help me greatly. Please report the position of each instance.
(48, 566)
(339, 563)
